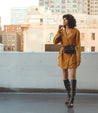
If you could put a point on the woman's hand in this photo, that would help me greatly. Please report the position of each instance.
(78, 63)
(60, 28)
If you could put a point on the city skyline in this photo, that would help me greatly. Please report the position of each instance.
(5, 8)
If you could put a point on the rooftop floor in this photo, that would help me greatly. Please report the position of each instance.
(47, 103)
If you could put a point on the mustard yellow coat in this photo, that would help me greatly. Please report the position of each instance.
(65, 60)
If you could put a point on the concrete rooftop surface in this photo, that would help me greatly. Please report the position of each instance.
(47, 103)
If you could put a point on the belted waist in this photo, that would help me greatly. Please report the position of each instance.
(69, 49)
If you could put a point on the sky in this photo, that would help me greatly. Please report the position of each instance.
(6, 5)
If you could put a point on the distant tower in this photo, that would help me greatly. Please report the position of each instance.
(17, 15)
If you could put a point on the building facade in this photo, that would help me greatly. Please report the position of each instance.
(65, 6)
(18, 29)
(17, 15)
(40, 27)
(11, 41)
(1, 47)
(71, 6)
(93, 7)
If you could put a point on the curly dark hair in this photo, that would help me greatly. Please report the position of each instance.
(71, 20)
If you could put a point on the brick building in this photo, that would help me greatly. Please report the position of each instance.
(18, 29)
(11, 41)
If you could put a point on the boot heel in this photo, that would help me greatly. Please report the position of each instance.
(70, 104)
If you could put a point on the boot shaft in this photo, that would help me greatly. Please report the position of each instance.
(73, 88)
(67, 85)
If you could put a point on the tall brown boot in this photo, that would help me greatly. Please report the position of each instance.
(67, 86)
(73, 93)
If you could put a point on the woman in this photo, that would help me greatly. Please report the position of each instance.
(69, 35)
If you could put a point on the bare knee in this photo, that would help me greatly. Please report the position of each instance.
(73, 74)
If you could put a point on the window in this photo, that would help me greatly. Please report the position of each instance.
(74, 1)
(52, 10)
(4, 40)
(82, 35)
(13, 40)
(68, 10)
(57, 1)
(94, 21)
(46, 7)
(85, 3)
(93, 36)
(80, 2)
(4, 36)
(4, 48)
(41, 20)
(10, 36)
(46, 2)
(92, 48)
(52, 6)
(74, 6)
(36, 9)
(19, 30)
(80, 6)
(63, 10)
(41, 4)
(50, 19)
(13, 44)
(80, 11)
(57, 6)
(13, 48)
(82, 21)
(51, 1)
(85, 7)
(63, 1)
(57, 10)
(68, 1)
(85, 11)
(82, 48)
(51, 36)
(74, 10)
(9, 48)
(63, 6)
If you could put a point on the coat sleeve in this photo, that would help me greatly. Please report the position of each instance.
(78, 46)
(58, 37)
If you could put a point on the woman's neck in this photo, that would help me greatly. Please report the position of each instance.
(67, 27)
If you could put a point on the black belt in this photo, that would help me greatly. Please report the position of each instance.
(69, 49)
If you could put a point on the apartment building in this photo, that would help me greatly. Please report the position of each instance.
(11, 41)
(93, 7)
(18, 29)
(65, 6)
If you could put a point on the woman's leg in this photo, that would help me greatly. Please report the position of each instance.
(66, 84)
(73, 86)
(73, 74)
(65, 74)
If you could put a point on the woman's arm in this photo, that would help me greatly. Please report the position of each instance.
(78, 46)
(58, 37)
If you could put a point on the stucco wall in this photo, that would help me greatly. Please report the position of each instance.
(41, 70)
